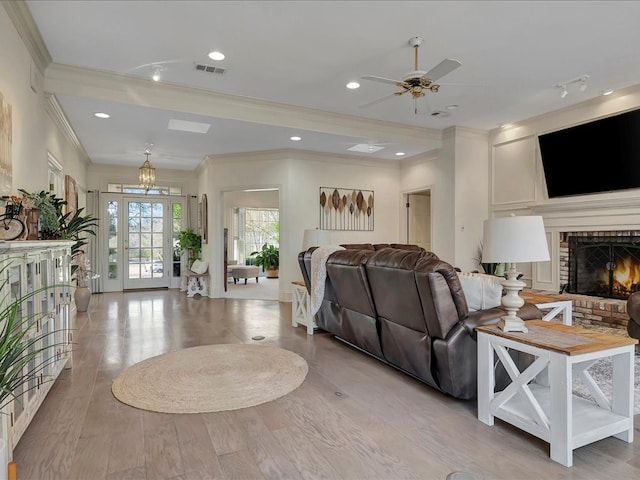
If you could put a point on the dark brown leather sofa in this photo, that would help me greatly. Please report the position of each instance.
(633, 310)
(406, 307)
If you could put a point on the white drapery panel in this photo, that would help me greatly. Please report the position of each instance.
(94, 247)
(192, 212)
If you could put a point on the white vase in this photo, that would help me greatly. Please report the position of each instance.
(82, 297)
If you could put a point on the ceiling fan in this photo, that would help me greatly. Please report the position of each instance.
(418, 82)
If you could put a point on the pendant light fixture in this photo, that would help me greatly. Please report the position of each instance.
(147, 174)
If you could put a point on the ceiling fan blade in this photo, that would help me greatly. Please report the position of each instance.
(381, 99)
(445, 67)
(398, 83)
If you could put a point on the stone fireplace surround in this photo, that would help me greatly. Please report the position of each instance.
(607, 215)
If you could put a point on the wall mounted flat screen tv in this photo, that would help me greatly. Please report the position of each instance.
(599, 156)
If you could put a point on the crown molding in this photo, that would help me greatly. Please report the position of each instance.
(602, 106)
(116, 87)
(300, 155)
(58, 117)
(20, 16)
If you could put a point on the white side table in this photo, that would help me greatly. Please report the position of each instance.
(551, 412)
(301, 307)
(196, 283)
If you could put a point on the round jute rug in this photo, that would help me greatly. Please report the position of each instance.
(210, 378)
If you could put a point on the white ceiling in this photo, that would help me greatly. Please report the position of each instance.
(303, 53)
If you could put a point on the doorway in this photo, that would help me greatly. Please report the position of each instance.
(418, 206)
(252, 218)
(140, 241)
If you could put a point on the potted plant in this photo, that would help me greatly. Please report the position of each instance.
(56, 225)
(496, 269)
(269, 259)
(190, 242)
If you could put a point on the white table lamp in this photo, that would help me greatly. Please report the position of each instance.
(511, 240)
(314, 238)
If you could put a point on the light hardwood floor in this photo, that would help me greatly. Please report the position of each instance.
(352, 418)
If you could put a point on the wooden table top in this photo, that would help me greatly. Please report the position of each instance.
(565, 339)
(537, 297)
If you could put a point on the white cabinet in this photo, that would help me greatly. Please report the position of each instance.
(39, 272)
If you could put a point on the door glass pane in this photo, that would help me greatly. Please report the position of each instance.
(176, 220)
(146, 258)
(112, 209)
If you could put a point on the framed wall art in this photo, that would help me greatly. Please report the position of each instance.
(205, 219)
(346, 209)
(70, 194)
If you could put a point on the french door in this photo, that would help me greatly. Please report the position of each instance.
(139, 242)
(146, 243)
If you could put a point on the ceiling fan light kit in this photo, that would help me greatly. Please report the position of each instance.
(417, 82)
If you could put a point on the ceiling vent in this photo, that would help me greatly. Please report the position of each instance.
(201, 67)
(440, 114)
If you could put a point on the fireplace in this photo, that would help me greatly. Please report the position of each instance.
(604, 265)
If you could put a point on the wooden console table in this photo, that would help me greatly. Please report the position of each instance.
(37, 275)
(540, 400)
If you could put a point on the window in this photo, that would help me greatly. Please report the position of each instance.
(55, 176)
(176, 226)
(137, 189)
(260, 226)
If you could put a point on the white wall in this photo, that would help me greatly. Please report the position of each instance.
(35, 130)
(471, 194)
(515, 162)
(298, 177)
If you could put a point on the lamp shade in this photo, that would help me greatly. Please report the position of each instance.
(514, 239)
(315, 238)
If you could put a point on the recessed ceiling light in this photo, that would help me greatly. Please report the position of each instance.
(216, 55)
(296, 139)
(102, 115)
(353, 85)
(505, 125)
(452, 107)
(607, 92)
(400, 154)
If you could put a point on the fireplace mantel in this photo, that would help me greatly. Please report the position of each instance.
(601, 213)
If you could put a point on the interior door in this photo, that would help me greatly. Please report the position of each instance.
(419, 219)
(147, 243)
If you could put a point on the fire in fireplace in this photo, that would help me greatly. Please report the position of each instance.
(604, 266)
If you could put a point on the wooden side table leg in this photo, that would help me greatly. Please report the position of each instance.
(561, 415)
(294, 308)
(622, 388)
(486, 378)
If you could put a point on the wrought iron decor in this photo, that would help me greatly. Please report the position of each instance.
(346, 209)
